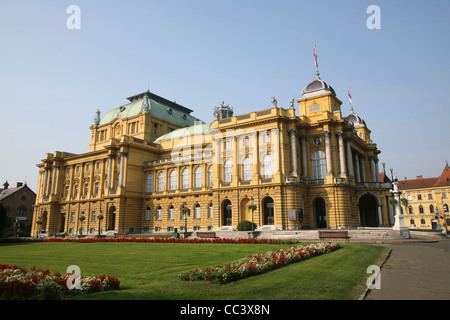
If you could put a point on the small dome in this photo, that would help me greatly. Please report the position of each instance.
(317, 87)
(355, 120)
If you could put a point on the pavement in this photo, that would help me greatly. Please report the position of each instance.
(414, 270)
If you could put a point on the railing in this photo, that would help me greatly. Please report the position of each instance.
(377, 185)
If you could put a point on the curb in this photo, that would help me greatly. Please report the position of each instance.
(368, 291)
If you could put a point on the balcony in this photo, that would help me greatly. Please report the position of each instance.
(373, 185)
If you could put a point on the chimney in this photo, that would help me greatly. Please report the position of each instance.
(19, 184)
(420, 177)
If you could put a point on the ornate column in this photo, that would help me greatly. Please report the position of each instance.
(363, 169)
(358, 168)
(351, 173)
(342, 154)
(372, 168)
(123, 156)
(294, 168)
(55, 179)
(44, 188)
(304, 157)
(328, 153)
(110, 169)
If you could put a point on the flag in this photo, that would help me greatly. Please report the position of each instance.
(349, 96)
(315, 56)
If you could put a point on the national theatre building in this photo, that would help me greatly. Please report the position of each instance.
(153, 167)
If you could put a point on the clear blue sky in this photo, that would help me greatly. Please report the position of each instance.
(52, 79)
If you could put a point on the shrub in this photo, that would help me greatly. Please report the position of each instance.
(246, 226)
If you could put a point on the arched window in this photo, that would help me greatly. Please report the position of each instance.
(198, 174)
(267, 166)
(420, 209)
(173, 177)
(210, 210)
(161, 181)
(197, 211)
(412, 223)
(210, 176)
(431, 208)
(171, 211)
(319, 165)
(410, 209)
(445, 207)
(158, 213)
(185, 176)
(227, 171)
(247, 169)
(147, 214)
(422, 222)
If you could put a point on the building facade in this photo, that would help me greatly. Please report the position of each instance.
(427, 201)
(152, 167)
(19, 202)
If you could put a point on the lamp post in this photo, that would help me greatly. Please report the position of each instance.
(100, 218)
(252, 207)
(185, 211)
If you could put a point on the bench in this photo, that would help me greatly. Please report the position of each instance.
(120, 235)
(334, 235)
(206, 235)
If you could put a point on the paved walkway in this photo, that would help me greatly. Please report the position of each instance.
(415, 271)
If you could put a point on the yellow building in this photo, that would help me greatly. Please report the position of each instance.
(152, 167)
(427, 200)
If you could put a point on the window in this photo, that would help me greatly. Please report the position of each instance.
(93, 216)
(422, 222)
(410, 210)
(98, 165)
(173, 180)
(210, 176)
(247, 169)
(75, 192)
(411, 222)
(444, 195)
(72, 217)
(420, 209)
(96, 188)
(267, 166)
(147, 214)
(409, 198)
(431, 208)
(419, 197)
(86, 189)
(445, 207)
(158, 213)
(171, 213)
(210, 211)
(430, 196)
(227, 145)
(266, 138)
(155, 128)
(198, 174)
(246, 141)
(227, 171)
(319, 165)
(161, 181)
(185, 176)
(197, 211)
(150, 182)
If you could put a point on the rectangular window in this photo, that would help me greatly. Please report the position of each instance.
(170, 213)
(155, 128)
(197, 212)
(315, 107)
(159, 214)
(93, 216)
(210, 211)
(430, 196)
(246, 141)
(444, 195)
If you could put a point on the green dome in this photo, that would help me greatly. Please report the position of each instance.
(176, 134)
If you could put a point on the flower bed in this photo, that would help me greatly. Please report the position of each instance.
(151, 240)
(258, 263)
(16, 283)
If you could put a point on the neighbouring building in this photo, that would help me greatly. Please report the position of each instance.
(19, 202)
(153, 167)
(428, 201)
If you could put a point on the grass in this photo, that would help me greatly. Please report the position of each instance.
(150, 270)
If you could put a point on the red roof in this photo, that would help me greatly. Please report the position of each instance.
(441, 181)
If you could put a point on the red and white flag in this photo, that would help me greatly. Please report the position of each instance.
(315, 56)
(349, 96)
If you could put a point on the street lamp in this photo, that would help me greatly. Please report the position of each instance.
(252, 207)
(185, 211)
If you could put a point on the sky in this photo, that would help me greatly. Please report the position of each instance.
(53, 78)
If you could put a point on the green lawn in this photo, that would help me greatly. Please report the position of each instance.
(150, 270)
